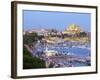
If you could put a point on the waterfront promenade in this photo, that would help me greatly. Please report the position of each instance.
(66, 61)
(61, 60)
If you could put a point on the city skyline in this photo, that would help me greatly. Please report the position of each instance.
(55, 20)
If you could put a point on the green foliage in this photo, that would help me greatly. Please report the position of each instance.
(40, 37)
(29, 38)
(83, 34)
(30, 62)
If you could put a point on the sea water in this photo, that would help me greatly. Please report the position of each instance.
(80, 50)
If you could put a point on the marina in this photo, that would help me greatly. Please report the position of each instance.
(60, 55)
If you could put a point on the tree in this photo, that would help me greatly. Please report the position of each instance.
(29, 38)
(30, 62)
(83, 34)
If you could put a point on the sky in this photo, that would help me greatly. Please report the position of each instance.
(55, 20)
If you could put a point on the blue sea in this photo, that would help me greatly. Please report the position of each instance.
(81, 51)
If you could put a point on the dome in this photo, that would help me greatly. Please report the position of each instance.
(73, 29)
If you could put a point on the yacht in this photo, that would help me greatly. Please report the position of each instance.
(50, 52)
